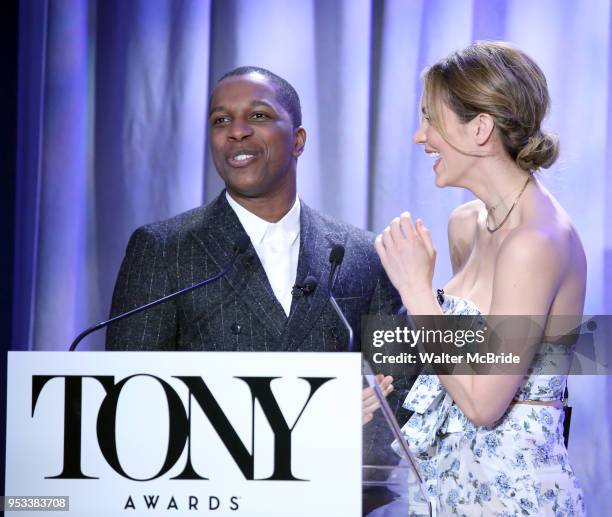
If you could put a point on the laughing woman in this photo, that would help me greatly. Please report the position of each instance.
(492, 444)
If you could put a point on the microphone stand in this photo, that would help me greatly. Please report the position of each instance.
(240, 247)
(335, 257)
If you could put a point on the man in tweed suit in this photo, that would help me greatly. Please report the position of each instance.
(255, 139)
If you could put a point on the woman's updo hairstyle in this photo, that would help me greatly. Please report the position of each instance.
(498, 79)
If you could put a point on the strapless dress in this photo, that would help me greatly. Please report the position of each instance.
(517, 467)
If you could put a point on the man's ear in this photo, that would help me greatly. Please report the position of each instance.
(300, 141)
(483, 126)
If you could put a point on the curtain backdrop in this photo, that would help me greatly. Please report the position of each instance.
(112, 135)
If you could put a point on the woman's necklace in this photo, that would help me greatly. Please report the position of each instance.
(490, 210)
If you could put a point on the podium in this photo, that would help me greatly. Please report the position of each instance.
(220, 433)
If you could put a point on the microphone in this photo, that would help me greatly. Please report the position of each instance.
(308, 287)
(240, 246)
(336, 257)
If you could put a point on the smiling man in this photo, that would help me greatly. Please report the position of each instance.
(256, 139)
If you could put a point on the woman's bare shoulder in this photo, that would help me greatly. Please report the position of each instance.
(545, 248)
(464, 218)
(462, 228)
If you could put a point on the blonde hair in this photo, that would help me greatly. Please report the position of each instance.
(495, 78)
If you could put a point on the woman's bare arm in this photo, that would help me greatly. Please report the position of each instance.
(528, 270)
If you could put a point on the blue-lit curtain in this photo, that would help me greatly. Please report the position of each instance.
(113, 98)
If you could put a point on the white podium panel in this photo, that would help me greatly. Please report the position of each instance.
(186, 433)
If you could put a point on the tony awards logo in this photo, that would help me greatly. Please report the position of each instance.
(179, 435)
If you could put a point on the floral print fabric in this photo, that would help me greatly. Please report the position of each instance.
(518, 467)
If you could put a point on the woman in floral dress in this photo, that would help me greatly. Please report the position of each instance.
(492, 444)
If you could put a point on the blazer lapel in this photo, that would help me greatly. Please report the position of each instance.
(247, 277)
(315, 246)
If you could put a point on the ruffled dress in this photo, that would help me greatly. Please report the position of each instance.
(518, 467)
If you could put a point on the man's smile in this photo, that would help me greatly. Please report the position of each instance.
(241, 158)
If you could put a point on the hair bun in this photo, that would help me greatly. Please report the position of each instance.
(540, 151)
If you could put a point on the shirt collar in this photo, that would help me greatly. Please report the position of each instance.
(256, 227)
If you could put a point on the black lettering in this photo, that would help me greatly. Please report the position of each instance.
(234, 503)
(73, 396)
(210, 502)
(129, 504)
(193, 502)
(172, 504)
(262, 392)
(151, 500)
(207, 402)
(178, 427)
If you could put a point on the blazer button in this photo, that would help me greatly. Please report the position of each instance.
(235, 328)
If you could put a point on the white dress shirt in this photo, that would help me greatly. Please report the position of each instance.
(277, 245)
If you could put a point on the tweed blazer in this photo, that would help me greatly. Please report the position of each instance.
(240, 311)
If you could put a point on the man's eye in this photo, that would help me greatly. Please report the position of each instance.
(220, 120)
(259, 116)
